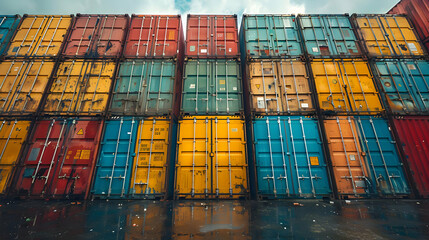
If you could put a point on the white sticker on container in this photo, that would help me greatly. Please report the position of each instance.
(304, 105)
(315, 49)
(234, 88)
(15, 69)
(411, 66)
(234, 130)
(260, 101)
(229, 49)
(191, 86)
(129, 133)
(412, 47)
(203, 50)
(352, 157)
(222, 89)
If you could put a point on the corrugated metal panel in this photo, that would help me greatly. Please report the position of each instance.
(60, 159)
(279, 87)
(212, 36)
(346, 86)
(8, 25)
(387, 36)
(405, 84)
(289, 157)
(115, 163)
(12, 136)
(144, 87)
(96, 36)
(80, 87)
(40, 36)
(211, 158)
(152, 150)
(22, 86)
(212, 87)
(154, 36)
(414, 138)
(267, 36)
(329, 36)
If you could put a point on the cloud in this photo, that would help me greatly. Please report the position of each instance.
(346, 6)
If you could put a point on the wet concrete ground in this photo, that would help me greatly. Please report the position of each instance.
(310, 219)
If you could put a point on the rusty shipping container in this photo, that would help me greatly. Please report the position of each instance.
(80, 87)
(278, 87)
(418, 13)
(387, 36)
(23, 84)
(212, 36)
(96, 36)
(13, 134)
(40, 36)
(413, 139)
(211, 158)
(345, 86)
(60, 159)
(158, 36)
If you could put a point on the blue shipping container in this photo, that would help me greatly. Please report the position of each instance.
(8, 25)
(289, 157)
(382, 159)
(112, 178)
(405, 84)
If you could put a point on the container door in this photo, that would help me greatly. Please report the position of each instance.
(166, 36)
(140, 36)
(316, 36)
(258, 41)
(149, 170)
(198, 36)
(8, 25)
(51, 39)
(27, 36)
(286, 36)
(12, 136)
(265, 87)
(112, 179)
(82, 36)
(374, 36)
(110, 37)
(196, 87)
(347, 162)
(225, 36)
(381, 157)
(340, 32)
(418, 78)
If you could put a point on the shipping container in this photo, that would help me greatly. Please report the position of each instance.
(13, 134)
(145, 87)
(115, 161)
(154, 36)
(346, 86)
(80, 87)
(413, 135)
(96, 36)
(405, 84)
(289, 157)
(212, 87)
(384, 36)
(270, 36)
(8, 26)
(60, 159)
(329, 36)
(40, 36)
(418, 13)
(211, 158)
(278, 87)
(23, 85)
(212, 36)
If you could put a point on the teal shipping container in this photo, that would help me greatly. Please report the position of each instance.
(8, 25)
(329, 36)
(212, 87)
(270, 36)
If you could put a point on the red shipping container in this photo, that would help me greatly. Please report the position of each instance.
(96, 36)
(414, 139)
(212, 36)
(154, 36)
(60, 159)
(418, 12)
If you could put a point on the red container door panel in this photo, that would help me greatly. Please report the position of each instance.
(82, 36)
(198, 36)
(166, 36)
(110, 36)
(140, 37)
(226, 42)
(414, 139)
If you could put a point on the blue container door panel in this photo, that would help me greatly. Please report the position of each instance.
(418, 74)
(160, 82)
(382, 159)
(257, 35)
(8, 25)
(315, 37)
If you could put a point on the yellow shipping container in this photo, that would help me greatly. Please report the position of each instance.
(80, 87)
(22, 86)
(387, 36)
(211, 157)
(40, 36)
(12, 136)
(152, 150)
(346, 86)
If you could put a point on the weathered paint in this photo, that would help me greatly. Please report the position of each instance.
(39, 36)
(212, 87)
(22, 85)
(289, 157)
(211, 158)
(346, 86)
(13, 134)
(8, 26)
(80, 87)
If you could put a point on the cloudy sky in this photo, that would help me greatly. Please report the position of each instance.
(194, 6)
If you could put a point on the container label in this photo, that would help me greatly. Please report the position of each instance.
(221, 81)
(85, 154)
(360, 183)
(304, 105)
(234, 130)
(192, 86)
(192, 48)
(222, 89)
(203, 50)
(314, 161)
(411, 66)
(171, 34)
(315, 49)
(80, 132)
(260, 102)
(229, 49)
(412, 47)
(352, 157)
(234, 88)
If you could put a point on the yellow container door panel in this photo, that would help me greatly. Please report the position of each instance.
(10, 73)
(53, 36)
(156, 181)
(188, 179)
(238, 186)
(27, 35)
